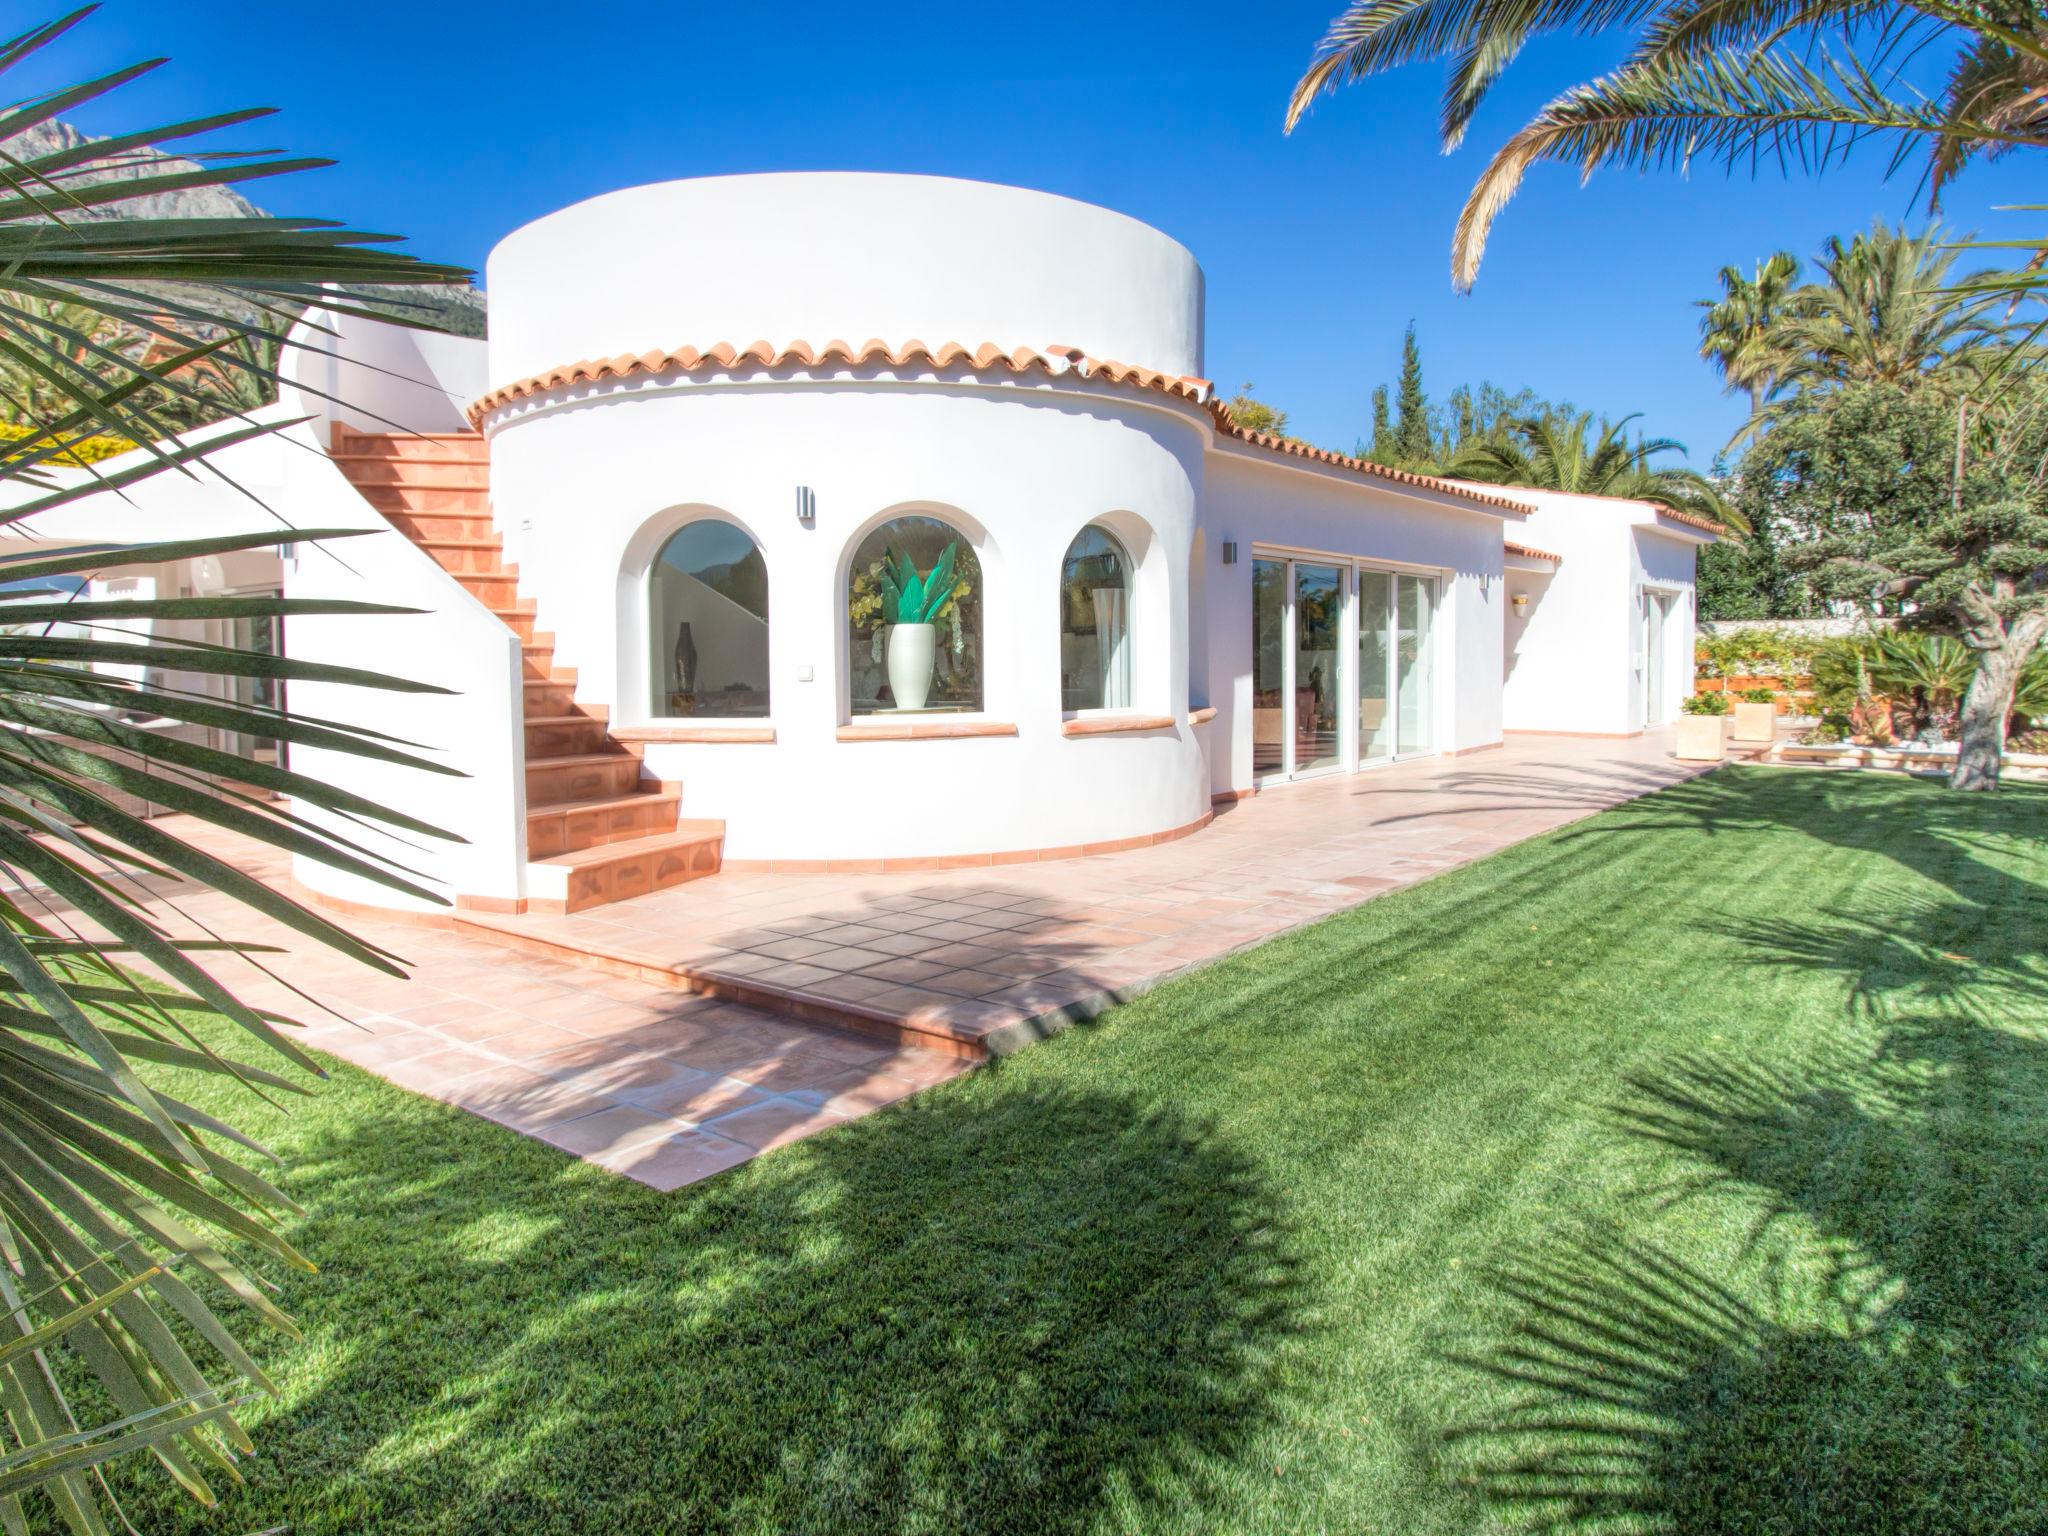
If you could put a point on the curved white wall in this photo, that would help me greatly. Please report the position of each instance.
(815, 257)
(584, 494)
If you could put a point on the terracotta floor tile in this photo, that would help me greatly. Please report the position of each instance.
(857, 1091)
(774, 1123)
(692, 1096)
(609, 1130)
(673, 1161)
(787, 1073)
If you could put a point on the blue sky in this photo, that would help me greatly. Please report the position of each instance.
(455, 125)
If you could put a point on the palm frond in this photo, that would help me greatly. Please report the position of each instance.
(1730, 107)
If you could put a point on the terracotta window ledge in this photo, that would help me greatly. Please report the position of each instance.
(662, 730)
(1110, 725)
(1203, 715)
(923, 730)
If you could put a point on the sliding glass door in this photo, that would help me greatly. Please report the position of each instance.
(1375, 666)
(1319, 672)
(1315, 665)
(1415, 672)
(1270, 713)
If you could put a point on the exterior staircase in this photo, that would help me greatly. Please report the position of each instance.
(596, 830)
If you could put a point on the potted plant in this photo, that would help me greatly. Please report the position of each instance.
(1703, 728)
(914, 604)
(1756, 715)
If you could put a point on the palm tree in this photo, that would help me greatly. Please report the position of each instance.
(1557, 451)
(126, 1216)
(1886, 309)
(1739, 331)
(1708, 80)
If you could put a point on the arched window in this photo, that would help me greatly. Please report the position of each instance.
(707, 600)
(1095, 623)
(913, 613)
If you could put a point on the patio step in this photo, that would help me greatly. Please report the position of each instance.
(562, 735)
(570, 825)
(467, 446)
(616, 950)
(608, 872)
(596, 831)
(582, 776)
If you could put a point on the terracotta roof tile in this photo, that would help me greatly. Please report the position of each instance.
(1054, 362)
(1527, 553)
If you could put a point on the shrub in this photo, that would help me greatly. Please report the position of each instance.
(1758, 696)
(1831, 729)
(83, 450)
(1705, 704)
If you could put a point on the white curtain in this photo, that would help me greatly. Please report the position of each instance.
(1113, 645)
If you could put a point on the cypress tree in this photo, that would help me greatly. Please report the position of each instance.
(1411, 435)
(1383, 449)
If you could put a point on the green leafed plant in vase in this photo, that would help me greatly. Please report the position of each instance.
(913, 605)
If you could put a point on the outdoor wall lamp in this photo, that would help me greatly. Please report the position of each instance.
(806, 506)
(1521, 602)
(1230, 552)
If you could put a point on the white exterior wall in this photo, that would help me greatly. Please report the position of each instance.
(1570, 660)
(586, 494)
(1262, 502)
(817, 257)
(1665, 560)
(454, 643)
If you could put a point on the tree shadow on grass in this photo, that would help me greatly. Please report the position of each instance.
(1875, 1358)
(1963, 842)
(978, 1311)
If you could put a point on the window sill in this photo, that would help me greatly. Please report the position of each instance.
(923, 730)
(1112, 725)
(1203, 715)
(664, 731)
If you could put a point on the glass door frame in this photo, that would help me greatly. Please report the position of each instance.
(1352, 569)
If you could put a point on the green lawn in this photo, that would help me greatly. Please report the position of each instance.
(1683, 1170)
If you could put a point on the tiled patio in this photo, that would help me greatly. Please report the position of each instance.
(624, 1066)
(989, 959)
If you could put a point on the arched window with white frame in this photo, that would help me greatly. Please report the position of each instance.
(913, 616)
(1095, 623)
(707, 601)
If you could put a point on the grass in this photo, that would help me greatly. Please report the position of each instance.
(1679, 1171)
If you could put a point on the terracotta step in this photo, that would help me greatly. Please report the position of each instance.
(494, 589)
(518, 620)
(458, 555)
(583, 776)
(537, 658)
(439, 526)
(562, 736)
(576, 824)
(471, 501)
(367, 469)
(469, 446)
(546, 697)
(611, 872)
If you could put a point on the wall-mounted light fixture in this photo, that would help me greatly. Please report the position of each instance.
(1521, 602)
(806, 505)
(1230, 552)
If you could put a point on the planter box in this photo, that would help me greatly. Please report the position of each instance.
(1756, 722)
(1702, 738)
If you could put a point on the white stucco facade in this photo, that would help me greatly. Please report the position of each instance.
(1604, 644)
(1016, 366)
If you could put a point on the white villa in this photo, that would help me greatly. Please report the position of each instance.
(865, 522)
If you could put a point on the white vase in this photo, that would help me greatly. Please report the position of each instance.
(910, 663)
